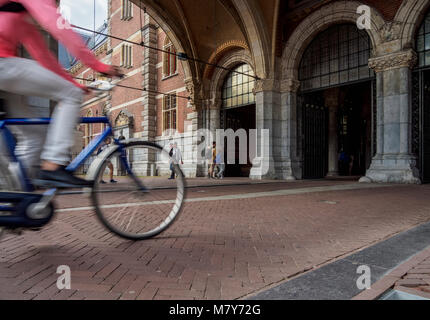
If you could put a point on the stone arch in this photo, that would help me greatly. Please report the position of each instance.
(333, 13)
(220, 52)
(410, 15)
(257, 35)
(172, 30)
(229, 61)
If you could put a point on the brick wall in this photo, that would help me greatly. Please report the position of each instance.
(123, 99)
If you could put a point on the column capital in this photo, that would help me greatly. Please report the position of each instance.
(266, 85)
(403, 59)
(290, 85)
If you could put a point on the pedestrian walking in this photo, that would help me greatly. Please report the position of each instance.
(175, 158)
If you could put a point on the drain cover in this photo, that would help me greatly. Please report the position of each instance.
(400, 295)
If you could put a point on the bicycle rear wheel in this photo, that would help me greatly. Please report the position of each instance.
(140, 205)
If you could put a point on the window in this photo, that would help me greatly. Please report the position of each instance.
(88, 129)
(238, 88)
(126, 56)
(423, 43)
(336, 56)
(169, 59)
(126, 10)
(169, 111)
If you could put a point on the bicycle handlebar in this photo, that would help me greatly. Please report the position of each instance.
(101, 85)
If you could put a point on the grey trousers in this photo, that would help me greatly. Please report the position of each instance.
(23, 77)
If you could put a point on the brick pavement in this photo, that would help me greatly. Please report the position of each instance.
(216, 250)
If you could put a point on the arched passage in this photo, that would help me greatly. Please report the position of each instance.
(293, 148)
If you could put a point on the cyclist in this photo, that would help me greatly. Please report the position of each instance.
(45, 78)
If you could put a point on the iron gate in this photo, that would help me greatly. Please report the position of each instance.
(421, 122)
(315, 140)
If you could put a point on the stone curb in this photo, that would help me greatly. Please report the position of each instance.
(390, 279)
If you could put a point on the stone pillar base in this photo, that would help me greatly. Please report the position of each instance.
(263, 168)
(392, 169)
(284, 170)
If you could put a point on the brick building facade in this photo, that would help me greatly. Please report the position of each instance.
(155, 105)
(325, 89)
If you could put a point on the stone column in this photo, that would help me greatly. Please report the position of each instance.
(332, 103)
(268, 125)
(145, 163)
(394, 161)
(291, 165)
(193, 166)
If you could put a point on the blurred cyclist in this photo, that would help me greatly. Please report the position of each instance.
(45, 78)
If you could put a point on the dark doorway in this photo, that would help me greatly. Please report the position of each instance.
(315, 136)
(235, 119)
(354, 131)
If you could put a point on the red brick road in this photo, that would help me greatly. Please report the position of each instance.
(223, 249)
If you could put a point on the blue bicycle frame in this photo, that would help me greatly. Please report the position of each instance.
(75, 164)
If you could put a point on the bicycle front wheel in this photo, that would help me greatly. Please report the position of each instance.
(143, 204)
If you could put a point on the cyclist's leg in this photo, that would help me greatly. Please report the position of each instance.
(30, 139)
(27, 77)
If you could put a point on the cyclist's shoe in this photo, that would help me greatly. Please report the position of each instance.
(60, 178)
(113, 181)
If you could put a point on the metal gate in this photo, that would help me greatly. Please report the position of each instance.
(421, 122)
(315, 140)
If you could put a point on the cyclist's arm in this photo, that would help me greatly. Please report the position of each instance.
(36, 45)
(45, 13)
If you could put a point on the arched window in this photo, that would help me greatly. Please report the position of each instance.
(336, 56)
(423, 43)
(170, 61)
(238, 88)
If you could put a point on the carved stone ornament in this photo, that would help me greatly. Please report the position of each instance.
(267, 85)
(123, 120)
(394, 61)
(290, 85)
(390, 31)
(106, 109)
(193, 90)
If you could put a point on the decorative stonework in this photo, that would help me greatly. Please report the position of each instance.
(193, 89)
(267, 85)
(390, 31)
(394, 61)
(124, 119)
(290, 85)
(220, 52)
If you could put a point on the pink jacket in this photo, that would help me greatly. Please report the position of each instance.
(19, 28)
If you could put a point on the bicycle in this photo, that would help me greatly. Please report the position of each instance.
(130, 209)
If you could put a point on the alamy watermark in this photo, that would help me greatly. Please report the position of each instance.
(232, 147)
(364, 280)
(364, 21)
(64, 281)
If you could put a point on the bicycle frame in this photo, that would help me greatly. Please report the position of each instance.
(75, 164)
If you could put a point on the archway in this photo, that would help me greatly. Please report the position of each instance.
(238, 116)
(335, 103)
